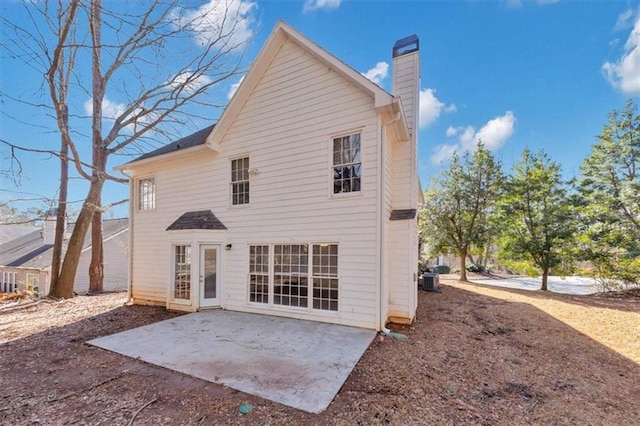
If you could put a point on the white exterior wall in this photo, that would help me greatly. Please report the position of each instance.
(286, 128)
(115, 264)
(403, 240)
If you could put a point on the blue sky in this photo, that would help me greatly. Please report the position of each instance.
(539, 74)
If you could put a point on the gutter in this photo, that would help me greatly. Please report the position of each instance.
(381, 240)
(130, 257)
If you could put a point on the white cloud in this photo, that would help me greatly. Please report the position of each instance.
(443, 153)
(378, 73)
(493, 135)
(431, 107)
(231, 20)
(189, 82)
(233, 88)
(625, 73)
(451, 131)
(496, 131)
(625, 20)
(544, 2)
(313, 5)
(110, 110)
(514, 4)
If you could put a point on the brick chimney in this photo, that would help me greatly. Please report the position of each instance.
(49, 227)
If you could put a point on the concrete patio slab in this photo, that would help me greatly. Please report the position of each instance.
(302, 364)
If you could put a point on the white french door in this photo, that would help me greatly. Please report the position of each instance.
(209, 284)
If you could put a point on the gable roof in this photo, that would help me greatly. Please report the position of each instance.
(31, 252)
(281, 33)
(385, 102)
(194, 139)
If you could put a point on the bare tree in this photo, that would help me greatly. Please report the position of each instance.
(57, 76)
(164, 58)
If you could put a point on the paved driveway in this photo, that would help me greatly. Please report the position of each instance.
(302, 364)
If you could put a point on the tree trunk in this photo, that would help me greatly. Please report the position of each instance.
(64, 287)
(463, 265)
(61, 216)
(96, 268)
(545, 275)
(99, 157)
(487, 254)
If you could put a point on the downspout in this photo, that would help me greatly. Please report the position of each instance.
(381, 227)
(130, 257)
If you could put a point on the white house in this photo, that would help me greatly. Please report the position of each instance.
(299, 202)
(25, 259)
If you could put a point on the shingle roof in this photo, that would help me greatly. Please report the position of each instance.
(194, 139)
(20, 248)
(31, 252)
(203, 219)
(403, 214)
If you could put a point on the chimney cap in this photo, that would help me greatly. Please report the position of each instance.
(406, 45)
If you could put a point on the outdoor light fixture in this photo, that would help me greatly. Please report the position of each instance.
(228, 247)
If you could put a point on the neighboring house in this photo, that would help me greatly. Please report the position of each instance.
(299, 202)
(25, 261)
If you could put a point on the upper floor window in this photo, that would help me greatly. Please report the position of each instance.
(240, 181)
(347, 164)
(147, 194)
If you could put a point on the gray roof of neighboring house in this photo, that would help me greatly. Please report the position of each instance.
(31, 252)
(9, 232)
(202, 219)
(194, 139)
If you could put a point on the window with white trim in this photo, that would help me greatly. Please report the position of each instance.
(291, 274)
(347, 164)
(240, 181)
(33, 283)
(325, 277)
(297, 273)
(259, 274)
(182, 272)
(147, 194)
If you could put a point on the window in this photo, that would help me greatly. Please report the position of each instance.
(33, 283)
(147, 194)
(325, 277)
(347, 164)
(240, 181)
(182, 271)
(291, 277)
(290, 274)
(259, 274)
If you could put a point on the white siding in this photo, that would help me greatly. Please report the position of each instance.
(115, 265)
(285, 127)
(406, 79)
(402, 243)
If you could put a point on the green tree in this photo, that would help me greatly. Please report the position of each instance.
(535, 214)
(459, 204)
(609, 190)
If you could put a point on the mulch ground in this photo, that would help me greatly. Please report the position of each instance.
(475, 355)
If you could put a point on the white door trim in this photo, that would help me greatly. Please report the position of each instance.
(203, 300)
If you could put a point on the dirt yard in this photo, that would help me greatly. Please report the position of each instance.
(476, 355)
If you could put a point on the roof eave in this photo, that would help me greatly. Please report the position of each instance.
(395, 120)
(172, 155)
